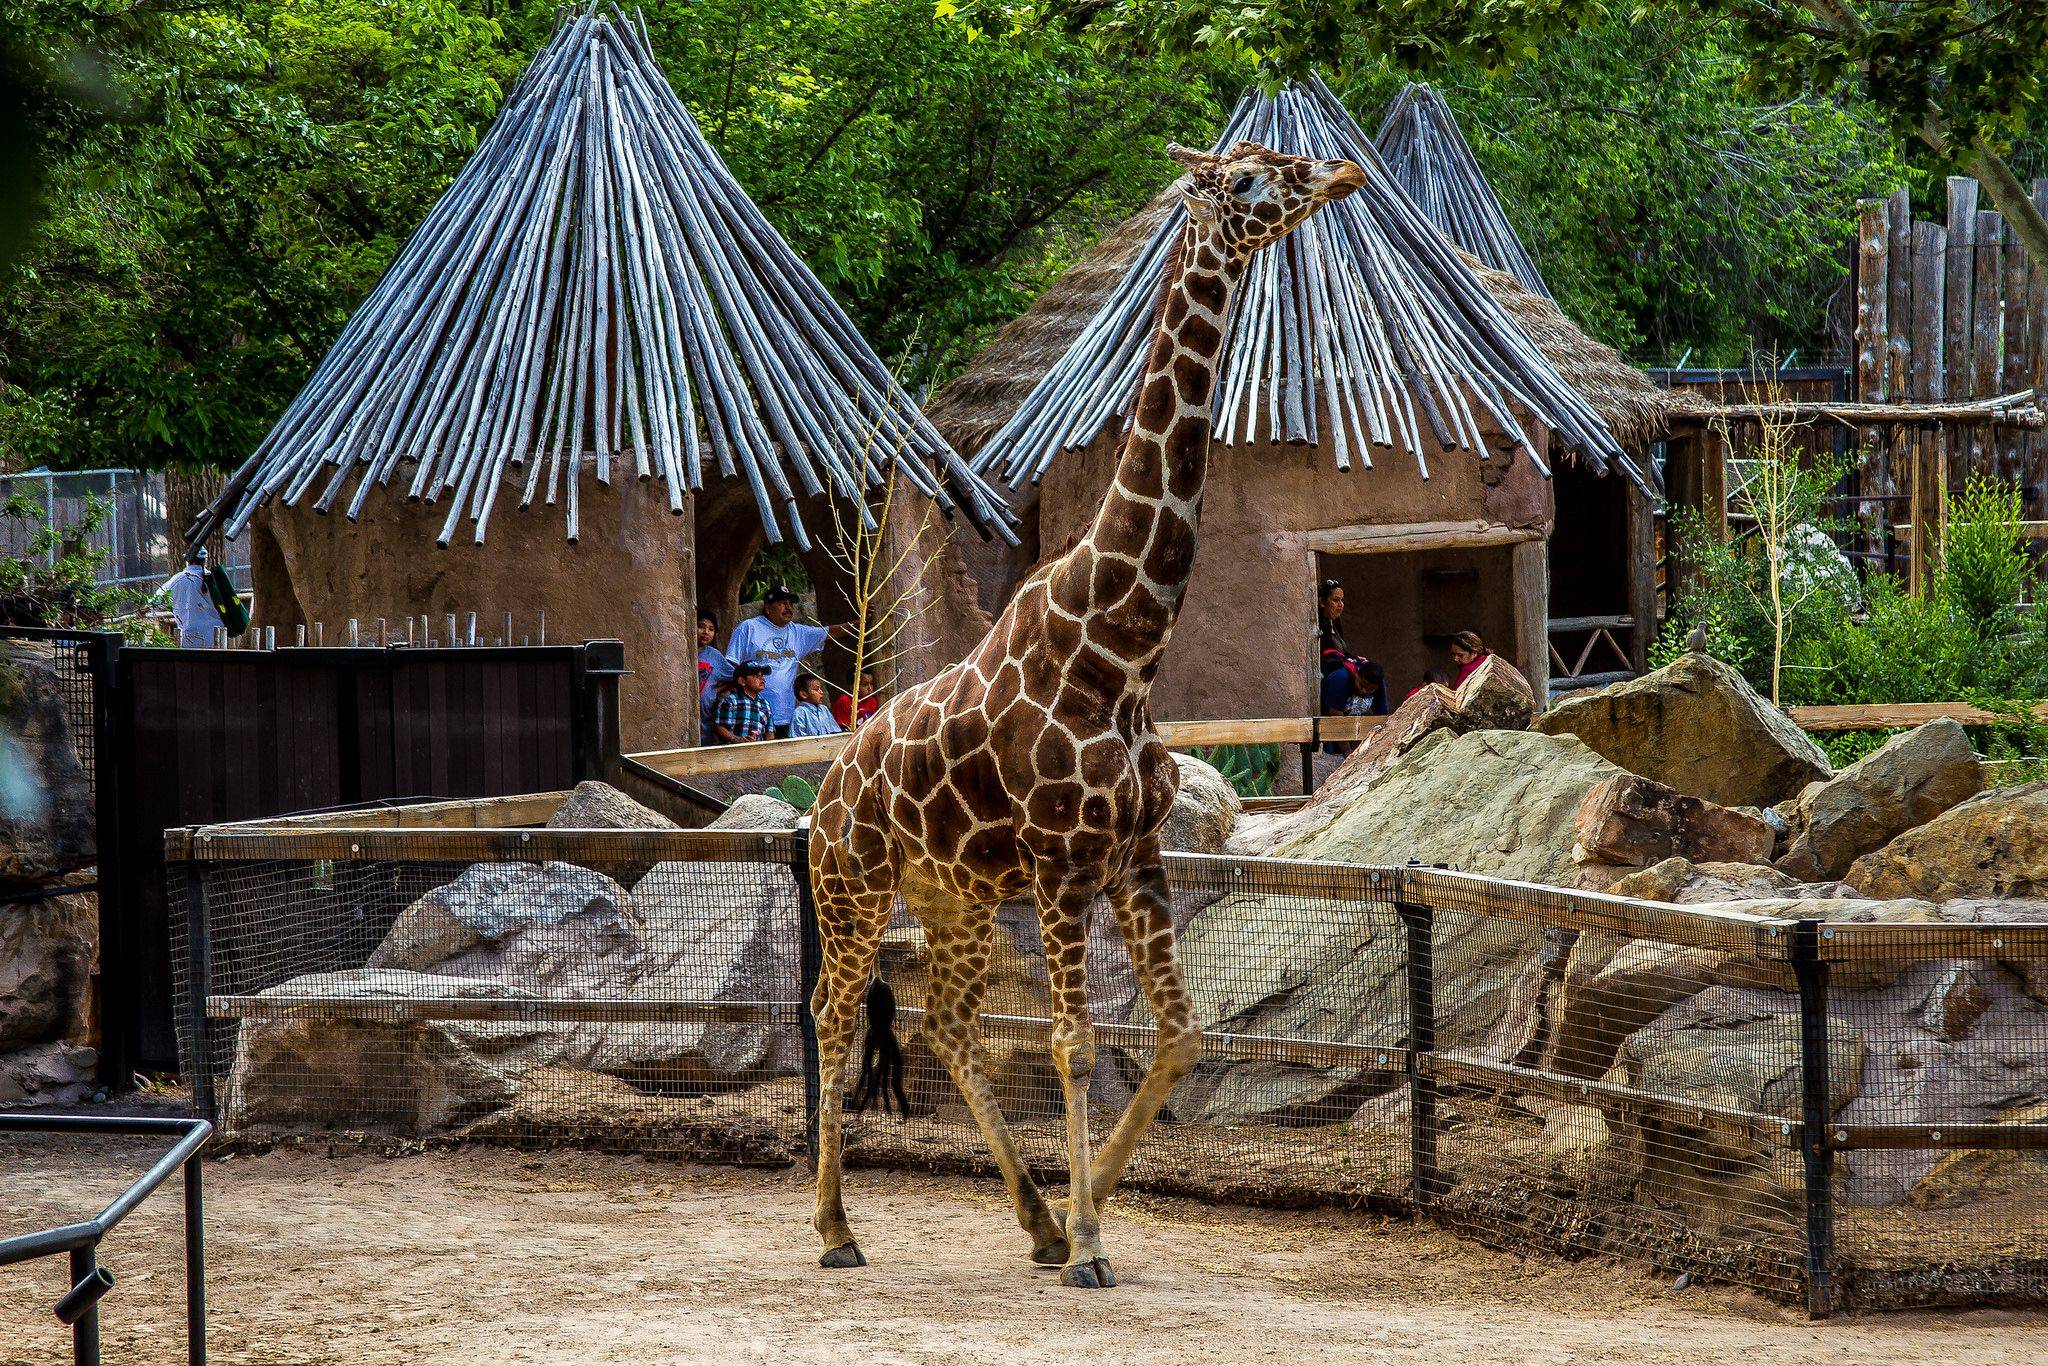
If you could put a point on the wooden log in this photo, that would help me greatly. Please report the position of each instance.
(1899, 290)
(2009, 1137)
(1892, 715)
(2019, 410)
(1873, 300)
(1959, 275)
(1930, 285)
(2016, 339)
(596, 848)
(1987, 309)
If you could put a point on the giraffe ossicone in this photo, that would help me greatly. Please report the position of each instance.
(1032, 764)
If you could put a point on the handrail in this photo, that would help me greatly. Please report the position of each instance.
(80, 1304)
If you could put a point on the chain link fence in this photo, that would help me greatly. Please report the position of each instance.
(1831, 1113)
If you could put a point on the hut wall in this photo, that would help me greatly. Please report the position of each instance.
(630, 576)
(1242, 646)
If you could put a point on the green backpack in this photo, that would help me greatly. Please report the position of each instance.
(234, 613)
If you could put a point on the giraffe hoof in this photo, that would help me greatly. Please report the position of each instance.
(1094, 1275)
(848, 1255)
(1053, 1253)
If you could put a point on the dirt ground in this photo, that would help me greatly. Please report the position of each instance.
(485, 1255)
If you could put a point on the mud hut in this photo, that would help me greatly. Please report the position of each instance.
(1539, 519)
(598, 351)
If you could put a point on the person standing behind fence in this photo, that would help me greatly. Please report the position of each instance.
(778, 640)
(1468, 652)
(741, 716)
(714, 672)
(813, 714)
(843, 710)
(192, 605)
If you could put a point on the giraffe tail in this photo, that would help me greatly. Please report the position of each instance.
(881, 1063)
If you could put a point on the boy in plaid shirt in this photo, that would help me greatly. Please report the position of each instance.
(742, 715)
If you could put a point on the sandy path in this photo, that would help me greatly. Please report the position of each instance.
(499, 1257)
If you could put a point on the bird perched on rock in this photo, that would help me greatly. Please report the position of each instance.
(1696, 643)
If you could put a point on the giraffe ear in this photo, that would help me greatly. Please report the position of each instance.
(1189, 157)
(1200, 206)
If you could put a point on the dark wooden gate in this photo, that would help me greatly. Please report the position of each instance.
(197, 736)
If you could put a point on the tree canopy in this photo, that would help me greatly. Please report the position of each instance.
(222, 184)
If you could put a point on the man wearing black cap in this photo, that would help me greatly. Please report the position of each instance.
(779, 641)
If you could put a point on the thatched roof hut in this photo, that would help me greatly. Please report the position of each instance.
(1428, 546)
(1427, 153)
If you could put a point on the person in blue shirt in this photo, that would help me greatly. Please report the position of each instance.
(779, 641)
(813, 714)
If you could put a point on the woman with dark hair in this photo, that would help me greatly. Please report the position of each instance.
(1330, 619)
(1468, 652)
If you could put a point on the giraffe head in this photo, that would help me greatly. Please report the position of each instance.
(1251, 196)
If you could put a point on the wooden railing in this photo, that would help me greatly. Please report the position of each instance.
(1285, 730)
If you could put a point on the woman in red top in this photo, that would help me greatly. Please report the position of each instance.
(1468, 652)
(842, 705)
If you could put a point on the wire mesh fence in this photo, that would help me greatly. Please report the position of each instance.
(1851, 1112)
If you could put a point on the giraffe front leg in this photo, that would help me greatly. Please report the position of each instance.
(1063, 920)
(850, 925)
(1141, 903)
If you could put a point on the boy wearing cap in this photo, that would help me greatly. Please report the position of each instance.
(779, 641)
(741, 715)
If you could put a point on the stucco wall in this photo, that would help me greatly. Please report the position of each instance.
(630, 576)
(1240, 648)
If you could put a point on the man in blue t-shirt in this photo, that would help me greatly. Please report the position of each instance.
(779, 641)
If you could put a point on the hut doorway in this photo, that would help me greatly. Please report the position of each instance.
(1598, 628)
(1401, 607)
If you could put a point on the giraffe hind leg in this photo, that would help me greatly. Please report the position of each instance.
(960, 962)
(850, 922)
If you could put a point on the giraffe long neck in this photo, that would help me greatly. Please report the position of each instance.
(1125, 579)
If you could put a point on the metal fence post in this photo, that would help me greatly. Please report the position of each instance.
(1308, 757)
(810, 964)
(85, 1329)
(1419, 922)
(1811, 973)
(199, 949)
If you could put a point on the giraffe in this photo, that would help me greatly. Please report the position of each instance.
(1032, 763)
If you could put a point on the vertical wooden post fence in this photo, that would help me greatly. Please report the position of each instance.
(1810, 971)
(1419, 924)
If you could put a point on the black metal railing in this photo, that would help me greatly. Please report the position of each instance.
(90, 1282)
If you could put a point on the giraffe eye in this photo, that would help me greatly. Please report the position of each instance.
(1243, 184)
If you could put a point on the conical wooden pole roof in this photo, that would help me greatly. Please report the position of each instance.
(596, 297)
(1426, 151)
(1363, 330)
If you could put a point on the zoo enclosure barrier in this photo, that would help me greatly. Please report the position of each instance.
(1835, 1112)
(90, 1282)
(135, 532)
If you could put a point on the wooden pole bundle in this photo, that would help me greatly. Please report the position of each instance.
(1363, 328)
(1426, 152)
(595, 293)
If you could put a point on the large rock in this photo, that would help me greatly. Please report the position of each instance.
(48, 1074)
(547, 925)
(1205, 809)
(1685, 883)
(1698, 726)
(46, 808)
(1633, 822)
(1494, 697)
(1734, 1048)
(1994, 845)
(757, 811)
(48, 951)
(379, 1075)
(1911, 780)
(1494, 802)
(600, 806)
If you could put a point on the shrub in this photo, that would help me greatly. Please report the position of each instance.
(1251, 769)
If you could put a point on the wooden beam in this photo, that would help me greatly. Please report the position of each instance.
(1889, 715)
(1614, 1101)
(2019, 410)
(1899, 303)
(1958, 275)
(1849, 1137)
(1641, 550)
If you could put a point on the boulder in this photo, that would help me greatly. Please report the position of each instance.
(1682, 882)
(379, 1075)
(1632, 821)
(1205, 809)
(757, 811)
(1695, 725)
(48, 952)
(600, 806)
(48, 1074)
(1735, 1048)
(1911, 780)
(1494, 802)
(551, 926)
(46, 806)
(1993, 845)
(1494, 697)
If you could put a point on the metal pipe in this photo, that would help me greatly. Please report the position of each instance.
(86, 1289)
